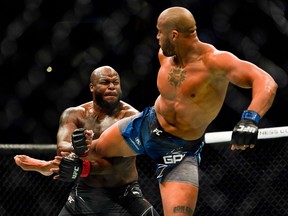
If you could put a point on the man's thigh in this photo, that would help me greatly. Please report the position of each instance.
(179, 190)
(178, 198)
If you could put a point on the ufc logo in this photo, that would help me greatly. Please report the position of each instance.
(250, 129)
(75, 172)
(70, 199)
(157, 131)
(172, 159)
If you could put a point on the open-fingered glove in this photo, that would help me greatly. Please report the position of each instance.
(245, 131)
(71, 168)
(79, 144)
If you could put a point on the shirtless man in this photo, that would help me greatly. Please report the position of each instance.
(192, 80)
(107, 186)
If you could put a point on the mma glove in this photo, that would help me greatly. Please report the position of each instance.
(72, 167)
(79, 144)
(245, 131)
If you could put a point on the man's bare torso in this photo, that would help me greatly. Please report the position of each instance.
(123, 170)
(190, 97)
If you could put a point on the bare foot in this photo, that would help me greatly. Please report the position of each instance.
(31, 164)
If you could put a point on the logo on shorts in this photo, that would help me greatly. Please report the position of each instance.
(136, 143)
(70, 199)
(137, 140)
(160, 170)
(157, 131)
(174, 158)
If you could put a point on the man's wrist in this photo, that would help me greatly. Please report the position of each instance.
(251, 115)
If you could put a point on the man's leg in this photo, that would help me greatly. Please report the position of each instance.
(178, 198)
(31, 164)
(179, 189)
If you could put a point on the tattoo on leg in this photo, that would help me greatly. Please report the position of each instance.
(183, 209)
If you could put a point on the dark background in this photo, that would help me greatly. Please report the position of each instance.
(74, 37)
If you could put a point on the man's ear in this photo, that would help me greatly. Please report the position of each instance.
(91, 87)
(175, 34)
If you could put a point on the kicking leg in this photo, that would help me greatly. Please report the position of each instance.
(31, 164)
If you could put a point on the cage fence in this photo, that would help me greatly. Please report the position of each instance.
(240, 183)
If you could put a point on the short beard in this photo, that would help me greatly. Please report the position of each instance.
(168, 48)
(109, 107)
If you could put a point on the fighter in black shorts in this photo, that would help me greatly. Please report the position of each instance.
(126, 200)
(103, 186)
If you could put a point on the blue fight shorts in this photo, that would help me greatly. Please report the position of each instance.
(144, 135)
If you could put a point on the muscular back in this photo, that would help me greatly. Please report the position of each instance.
(190, 96)
(106, 172)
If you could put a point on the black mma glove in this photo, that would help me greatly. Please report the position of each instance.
(245, 131)
(72, 167)
(79, 144)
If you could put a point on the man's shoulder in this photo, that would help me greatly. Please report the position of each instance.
(126, 106)
(218, 58)
(79, 108)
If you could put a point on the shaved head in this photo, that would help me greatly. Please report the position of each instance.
(178, 18)
(102, 71)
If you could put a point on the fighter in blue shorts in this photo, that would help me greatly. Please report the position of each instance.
(192, 80)
(144, 135)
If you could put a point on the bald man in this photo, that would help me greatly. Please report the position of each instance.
(103, 186)
(192, 80)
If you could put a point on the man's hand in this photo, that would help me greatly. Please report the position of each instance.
(245, 132)
(65, 165)
(70, 168)
(79, 143)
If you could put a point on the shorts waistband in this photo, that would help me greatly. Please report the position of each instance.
(188, 144)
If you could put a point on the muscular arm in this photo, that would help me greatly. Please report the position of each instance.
(247, 75)
(67, 124)
(69, 121)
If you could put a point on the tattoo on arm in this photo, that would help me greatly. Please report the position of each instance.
(183, 209)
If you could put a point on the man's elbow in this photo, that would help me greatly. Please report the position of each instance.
(271, 90)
